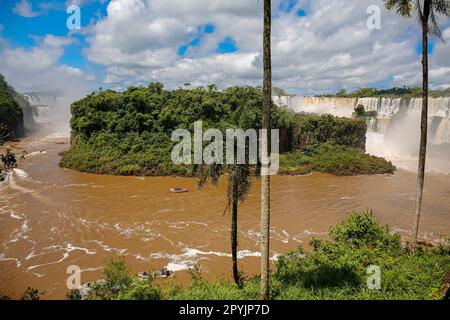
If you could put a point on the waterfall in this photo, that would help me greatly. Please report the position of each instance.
(340, 107)
(44, 105)
(395, 131)
(404, 114)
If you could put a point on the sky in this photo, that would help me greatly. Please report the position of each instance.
(318, 46)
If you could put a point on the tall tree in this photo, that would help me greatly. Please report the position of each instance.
(239, 184)
(427, 12)
(265, 177)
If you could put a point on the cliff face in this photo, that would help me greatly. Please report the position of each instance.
(391, 113)
(310, 131)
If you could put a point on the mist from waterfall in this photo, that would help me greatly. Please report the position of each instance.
(395, 132)
(51, 111)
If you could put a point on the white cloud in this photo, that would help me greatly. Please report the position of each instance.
(330, 48)
(39, 69)
(24, 8)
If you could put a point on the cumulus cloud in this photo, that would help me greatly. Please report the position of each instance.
(24, 8)
(39, 69)
(325, 48)
(329, 48)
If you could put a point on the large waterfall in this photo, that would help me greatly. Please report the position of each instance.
(50, 110)
(395, 131)
(42, 105)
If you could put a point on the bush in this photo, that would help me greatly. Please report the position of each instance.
(117, 283)
(141, 290)
(337, 268)
(361, 229)
(32, 294)
(337, 160)
(311, 131)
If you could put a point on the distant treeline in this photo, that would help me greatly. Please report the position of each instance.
(392, 92)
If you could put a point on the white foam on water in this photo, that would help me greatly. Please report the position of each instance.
(3, 257)
(35, 153)
(107, 248)
(191, 256)
(17, 216)
(67, 250)
(22, 174)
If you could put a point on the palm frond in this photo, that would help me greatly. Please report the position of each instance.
(433, 25)
(418, 7)
(209, 173)
(402, 7)
(441, 6)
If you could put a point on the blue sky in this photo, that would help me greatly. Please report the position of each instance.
(22, 31)
(317, 48)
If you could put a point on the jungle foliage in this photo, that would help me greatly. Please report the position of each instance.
(11, 114)
(129, 133)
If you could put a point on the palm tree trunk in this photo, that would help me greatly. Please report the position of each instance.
(234, 243)
(423, 126)
(265, 179)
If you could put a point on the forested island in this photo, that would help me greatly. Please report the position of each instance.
(129, 133)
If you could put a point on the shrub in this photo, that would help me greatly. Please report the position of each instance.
(337, 267)
(361, 229)
(337, 160)
(141, 290)
(32, 294)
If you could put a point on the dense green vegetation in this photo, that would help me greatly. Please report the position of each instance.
(312, 131)
(11, 115)
(336, 268)
(404, 92)
(334, 159)
(129, 133)
(330, 145)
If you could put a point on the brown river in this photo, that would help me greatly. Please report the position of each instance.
(51, 218)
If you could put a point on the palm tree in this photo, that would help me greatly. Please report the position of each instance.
(239, 184)
(427, 12)
(265, 178)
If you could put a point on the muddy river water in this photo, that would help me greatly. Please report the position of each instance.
(51, 218)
